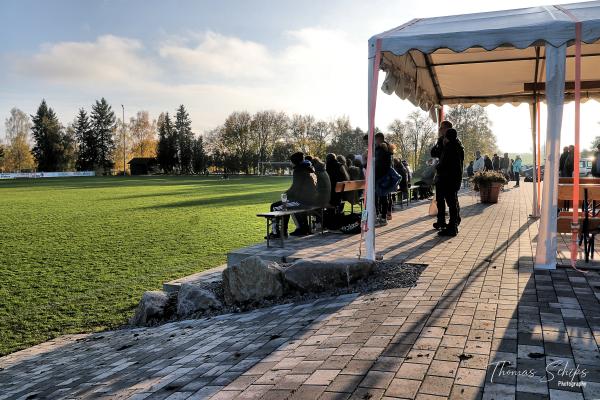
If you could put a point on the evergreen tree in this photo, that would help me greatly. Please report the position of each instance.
(103, 125)
(167, 144)
(199, 156)
(185, 140)
(87, 155)
(47, 134)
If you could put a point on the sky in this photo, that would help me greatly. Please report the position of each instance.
(216, 57)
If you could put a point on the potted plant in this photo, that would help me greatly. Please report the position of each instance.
(489, 184)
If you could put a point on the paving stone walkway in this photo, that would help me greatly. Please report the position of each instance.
(481, 323)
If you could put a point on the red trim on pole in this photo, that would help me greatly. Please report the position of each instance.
(372, 109)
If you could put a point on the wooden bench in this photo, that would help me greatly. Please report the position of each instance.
(582, 181)
(351, 186)
(274, 216)
(589, 220)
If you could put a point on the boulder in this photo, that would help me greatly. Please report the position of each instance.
(193, 298)
(151, 308)
(317, 276)
(253, 280)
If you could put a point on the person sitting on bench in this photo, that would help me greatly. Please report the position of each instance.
(336, 174)
(302, 193)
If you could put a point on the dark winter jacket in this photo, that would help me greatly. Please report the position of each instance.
(450, 167)
(399, 167)
(561, 161)
(496, 163)
(356, 173)
(569, 165)
(336, 174)
(488, 164)
(304, 184)
(436, 151)
(595, 169)
(383, 160)
(323, 185)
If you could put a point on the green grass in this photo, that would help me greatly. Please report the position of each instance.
(76, 254)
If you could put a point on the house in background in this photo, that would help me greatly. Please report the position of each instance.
(143, 165)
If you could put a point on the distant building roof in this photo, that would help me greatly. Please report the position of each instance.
(142, 161)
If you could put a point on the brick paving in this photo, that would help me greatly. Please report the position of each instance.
(480, 323)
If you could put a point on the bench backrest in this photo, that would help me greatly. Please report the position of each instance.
(565, 192)
(349, 186)
(582, 180)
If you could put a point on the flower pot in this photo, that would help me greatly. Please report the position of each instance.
(489, 192)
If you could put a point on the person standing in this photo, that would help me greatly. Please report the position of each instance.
(569, 165)
(450, 170)
(470, 172)
(596, 164)
(479, 163)
(504, 165)
(437, 152)
(561, 161)
(517, 169)
(383, 164)
(488, 163)
(496, 162)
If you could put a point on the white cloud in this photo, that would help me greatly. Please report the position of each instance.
(217, 56)
(110, 59)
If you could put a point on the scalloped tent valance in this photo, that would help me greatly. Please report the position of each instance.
(486, 58)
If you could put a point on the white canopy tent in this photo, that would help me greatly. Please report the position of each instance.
(514, 56)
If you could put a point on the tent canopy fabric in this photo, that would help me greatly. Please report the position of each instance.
(487, 58)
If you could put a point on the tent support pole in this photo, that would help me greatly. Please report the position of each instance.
(368, 218)
(535, 211)
(547, 243)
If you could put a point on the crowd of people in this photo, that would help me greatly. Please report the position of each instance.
(314, 181)
(511, 169)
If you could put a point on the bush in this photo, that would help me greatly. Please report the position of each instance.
(487, 177)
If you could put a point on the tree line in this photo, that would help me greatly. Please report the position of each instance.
(98, 140)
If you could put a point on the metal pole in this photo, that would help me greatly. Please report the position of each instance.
(123, 128)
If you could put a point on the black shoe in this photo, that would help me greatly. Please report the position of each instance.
(299, 232)
(438, 225)
(451, 232)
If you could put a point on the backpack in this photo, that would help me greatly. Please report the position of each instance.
(350, 224)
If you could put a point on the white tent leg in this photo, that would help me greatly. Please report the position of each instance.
(370, 206)
(545, 256)
(535, 211)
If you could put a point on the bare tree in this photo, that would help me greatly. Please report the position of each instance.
(398, 135)
(421, 136)
(268, 127)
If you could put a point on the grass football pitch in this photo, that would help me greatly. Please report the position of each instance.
(77, 253)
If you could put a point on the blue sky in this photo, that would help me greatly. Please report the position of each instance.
(216, 57)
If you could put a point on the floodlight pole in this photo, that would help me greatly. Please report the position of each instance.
(123, 129)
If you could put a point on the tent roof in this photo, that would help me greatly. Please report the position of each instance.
(493, 57)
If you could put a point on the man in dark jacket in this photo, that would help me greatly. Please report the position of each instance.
(450, 170)
(562, 159)
(596, 163)
(337, 173)
(302, 193)
(489, 166)
(569, 165)
(496, 162)
(436, 152)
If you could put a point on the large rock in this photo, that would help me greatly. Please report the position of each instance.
(151, 308)
(318, 276)
(193, 298)
(253, 280)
